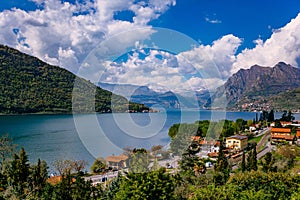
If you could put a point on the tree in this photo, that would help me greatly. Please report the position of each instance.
(254, 158)
(152, 185)
(264, 115)
(277, 123)
(192, 165)
(268, 162)
(19, 172)
(240, 124)
(79, 165)
(7, 148)
(99, 165)
(38, 177)
(113, 188)
(271, 117)
(139, 161)
(287, 116)
(243, 164)
(249, 160)
(64, 167)
(222, 168)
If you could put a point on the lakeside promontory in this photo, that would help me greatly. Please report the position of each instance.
(29, 85)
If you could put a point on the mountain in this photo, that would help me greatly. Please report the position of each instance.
(149, 97)
(29, 85)
(255, 88)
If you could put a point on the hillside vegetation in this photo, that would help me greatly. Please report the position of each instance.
(29, 85)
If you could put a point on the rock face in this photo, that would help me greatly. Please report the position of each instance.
(258, 84)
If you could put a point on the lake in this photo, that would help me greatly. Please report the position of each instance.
(53, 137)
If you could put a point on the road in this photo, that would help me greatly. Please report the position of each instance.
(264, 140)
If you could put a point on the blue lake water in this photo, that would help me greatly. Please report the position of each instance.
(53, 137)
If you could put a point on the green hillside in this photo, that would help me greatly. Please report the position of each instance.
(28, 85)
(286, 100)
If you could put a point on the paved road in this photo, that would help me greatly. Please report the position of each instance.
(264, 131)
(268, 148)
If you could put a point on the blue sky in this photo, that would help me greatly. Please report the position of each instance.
(232, 35)
(245, 19)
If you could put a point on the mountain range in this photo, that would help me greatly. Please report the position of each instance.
(260, 88)
(28, 85)
(152, 98)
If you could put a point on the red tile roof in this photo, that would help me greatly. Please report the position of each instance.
(119, 158)
(210, 142)
(282, 137)
(280, 130)
(213, 154)
(298, 133)
(196, 138)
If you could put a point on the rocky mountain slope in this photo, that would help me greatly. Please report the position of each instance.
(257, 87)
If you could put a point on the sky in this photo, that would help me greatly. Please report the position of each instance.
(179, 45)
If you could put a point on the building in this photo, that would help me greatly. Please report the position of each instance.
(283, 124)
(252, 128)
(210, 145)
(237, 142)
(281, 135)
(117, 162)
(298, 136)
(195, 138)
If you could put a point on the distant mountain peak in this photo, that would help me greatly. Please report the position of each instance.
(258, 83)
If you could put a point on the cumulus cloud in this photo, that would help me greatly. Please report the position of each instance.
(283, 45)
(209, 66)
(215, 60)
(62, 33)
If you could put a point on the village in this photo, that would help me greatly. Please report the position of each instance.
(265, 138)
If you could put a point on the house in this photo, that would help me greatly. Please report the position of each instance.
(281, 135)
(210, 145)
(195, 138)
(117, 162)
(252, 127)
(283, 124)
(298, 136)
(237, 142)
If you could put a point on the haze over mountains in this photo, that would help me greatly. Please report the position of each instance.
(161, 98)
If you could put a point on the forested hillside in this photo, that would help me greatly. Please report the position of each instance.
(28, 85)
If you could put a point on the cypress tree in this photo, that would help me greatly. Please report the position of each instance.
(243, 165)
(249, 161)
(254, 159)
(222, 168)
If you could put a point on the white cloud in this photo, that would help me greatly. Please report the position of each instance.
(213, 21)
(214, 60)
(60, 34)
(61, 27)
(283, 45)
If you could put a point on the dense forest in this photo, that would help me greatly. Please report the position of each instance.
(29, 85)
